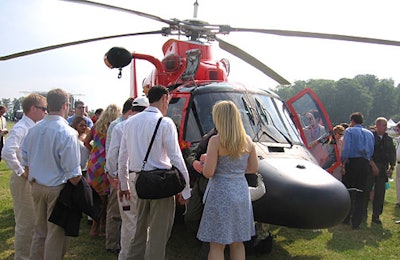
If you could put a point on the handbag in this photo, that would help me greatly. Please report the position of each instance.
(256, 187)
(158, 183)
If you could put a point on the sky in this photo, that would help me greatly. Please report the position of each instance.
(29, 24)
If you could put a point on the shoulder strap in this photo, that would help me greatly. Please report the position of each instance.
(151, 143)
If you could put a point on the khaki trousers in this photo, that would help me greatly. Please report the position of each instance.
(49, 241)
(23, 215)
(129, 218)
(398, 183)
(113, 221)
(154, 225)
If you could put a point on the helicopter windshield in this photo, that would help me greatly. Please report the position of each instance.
(275, 115)
(202, 109)
(265, 118)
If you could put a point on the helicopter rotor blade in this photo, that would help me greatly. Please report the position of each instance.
(327, 36)
(62, 45)
(252, 61)
(146, 15)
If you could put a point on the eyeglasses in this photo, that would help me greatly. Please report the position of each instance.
(44, 109)
(80, 107)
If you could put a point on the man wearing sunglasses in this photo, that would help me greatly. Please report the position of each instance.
(34, 107)
(80, 111)
(51, 157)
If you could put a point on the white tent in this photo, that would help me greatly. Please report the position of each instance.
(391, 128)
(391, 123)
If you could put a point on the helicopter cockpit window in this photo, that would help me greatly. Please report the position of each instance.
(287, 121)
(313, 124)
(175, 109)
(200, 115)
(193, 133)
(276, 121)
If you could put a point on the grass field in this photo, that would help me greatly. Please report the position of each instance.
(339, 242)
(371, 241)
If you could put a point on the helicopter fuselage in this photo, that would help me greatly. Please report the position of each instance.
(300, 193)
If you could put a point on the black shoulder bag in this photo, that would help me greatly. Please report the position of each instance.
(158, 183)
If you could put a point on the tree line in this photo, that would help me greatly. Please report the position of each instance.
(367, 94)
(12, 106)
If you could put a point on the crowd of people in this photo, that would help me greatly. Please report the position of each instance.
(47, 149)
(360, 151)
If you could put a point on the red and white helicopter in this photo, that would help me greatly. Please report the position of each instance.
(300, 193)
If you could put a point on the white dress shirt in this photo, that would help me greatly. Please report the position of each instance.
(12, 147)
(84, 155)
(110, 130)
(3, 122)
(51, 151)
(113, 149)
(164, 153)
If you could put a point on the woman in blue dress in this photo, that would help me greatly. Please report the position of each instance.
(228, 214)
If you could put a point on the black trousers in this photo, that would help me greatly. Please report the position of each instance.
(355, 179)
(1, 145)
(378, 185)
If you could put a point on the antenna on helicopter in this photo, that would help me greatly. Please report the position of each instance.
(196, 7)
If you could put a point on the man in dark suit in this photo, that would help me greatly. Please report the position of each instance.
(385, 159)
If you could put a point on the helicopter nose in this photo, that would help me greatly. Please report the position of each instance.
(300, 194)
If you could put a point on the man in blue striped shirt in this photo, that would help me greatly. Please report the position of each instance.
(357, 151)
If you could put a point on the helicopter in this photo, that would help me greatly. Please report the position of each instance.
(300, 193)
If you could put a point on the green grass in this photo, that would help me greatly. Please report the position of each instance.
(339, 242)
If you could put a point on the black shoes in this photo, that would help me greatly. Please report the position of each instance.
(376, 221)
(113, 251)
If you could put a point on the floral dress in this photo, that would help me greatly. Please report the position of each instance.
(97, 161)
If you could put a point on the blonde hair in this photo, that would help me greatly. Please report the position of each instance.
(33, 99)
(338, 129)
(228, 123)
(380, 120)
(111, 113)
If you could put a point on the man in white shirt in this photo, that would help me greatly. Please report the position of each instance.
(3, 127)
(34, 107)
(155, 217)
(113, 218)
(398, 170)
(51, 156)
(128, 213)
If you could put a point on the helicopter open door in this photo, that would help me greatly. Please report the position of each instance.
(315, 128)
